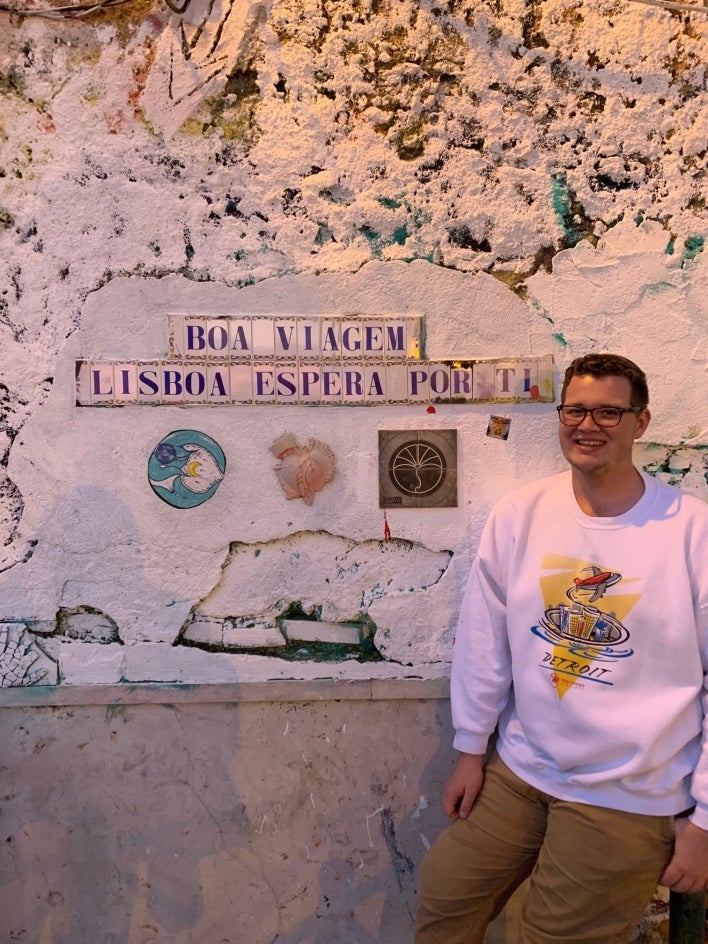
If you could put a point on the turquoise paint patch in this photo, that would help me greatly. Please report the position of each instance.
(115, 711)
(324, 235)
(373, 239)
(670, 247)
(692, 246)
(400, 235)
(426, 257)
(651, 291)
(560, 339)
(542, 311)
(560, 200)
(390, 203)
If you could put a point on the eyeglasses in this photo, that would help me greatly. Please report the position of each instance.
(601, 415)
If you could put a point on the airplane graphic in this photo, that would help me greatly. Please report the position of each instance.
(597, 582)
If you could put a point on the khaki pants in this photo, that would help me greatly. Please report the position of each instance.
(593, 870)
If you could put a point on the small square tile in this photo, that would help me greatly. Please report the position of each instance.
(396, 383)
(101, 383)
(461, 381)
(418, 382)
(217, 337)
(286, 382)
(218, 383)
(395, 338)
(331, 337)
(241, 383)
(194, 344)
(375, 382)
(438, 380)
(262, 338)
(194, 382)
(83, 383)
(352, 338)
(240, 341)
(418, 468)
(310, 382)
(285, 337)
(353, 381)
(125, 380)
(373, 338)
(332, 382)
(149, 381)
(483, 381)
(507, 375)
(544, 392)
(498, 427)
(170, 379)
(264, 382)
(176, 335)
(414, 338)
(308, 337)
(526, 374)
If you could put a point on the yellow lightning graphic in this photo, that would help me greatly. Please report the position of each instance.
(555, 587)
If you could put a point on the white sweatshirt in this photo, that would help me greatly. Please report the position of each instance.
(586, 640)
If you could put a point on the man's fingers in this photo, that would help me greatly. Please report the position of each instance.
(466, 804)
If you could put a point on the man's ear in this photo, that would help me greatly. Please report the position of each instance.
(642, 422)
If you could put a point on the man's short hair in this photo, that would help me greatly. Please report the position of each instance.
(610, 365)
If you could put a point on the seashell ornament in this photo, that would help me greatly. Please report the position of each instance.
(302, 470)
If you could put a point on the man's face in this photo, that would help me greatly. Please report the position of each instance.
(596, 450)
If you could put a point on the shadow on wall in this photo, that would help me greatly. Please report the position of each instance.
(112, 820)
(288, 823)
(359, 906)
(88, 576)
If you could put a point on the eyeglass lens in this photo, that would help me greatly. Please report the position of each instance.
(601, 415)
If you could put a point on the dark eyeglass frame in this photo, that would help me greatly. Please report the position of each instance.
(618, 411)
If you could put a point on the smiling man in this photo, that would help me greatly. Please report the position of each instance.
(578, 692)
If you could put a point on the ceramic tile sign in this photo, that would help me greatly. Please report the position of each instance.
(418, 468)
(186, 468)
(354, 360)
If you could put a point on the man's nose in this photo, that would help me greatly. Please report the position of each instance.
(589, 419)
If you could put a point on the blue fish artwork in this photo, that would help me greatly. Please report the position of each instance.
(186, 468)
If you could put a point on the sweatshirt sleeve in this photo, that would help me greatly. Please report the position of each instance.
(699, 783)
(481, 660)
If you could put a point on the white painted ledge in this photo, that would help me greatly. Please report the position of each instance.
(279, 690)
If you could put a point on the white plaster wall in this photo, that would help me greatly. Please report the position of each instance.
(527, 177)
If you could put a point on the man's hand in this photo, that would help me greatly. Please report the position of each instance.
(463, 786)
(688, 869)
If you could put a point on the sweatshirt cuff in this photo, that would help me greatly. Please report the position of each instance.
(699, 817)
(468, 743)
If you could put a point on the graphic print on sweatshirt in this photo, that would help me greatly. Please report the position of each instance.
(582, 621)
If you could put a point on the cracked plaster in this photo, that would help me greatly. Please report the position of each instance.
(528, 177)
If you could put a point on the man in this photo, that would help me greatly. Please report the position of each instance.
(583, 640)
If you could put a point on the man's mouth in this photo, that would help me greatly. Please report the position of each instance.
(589, 442)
